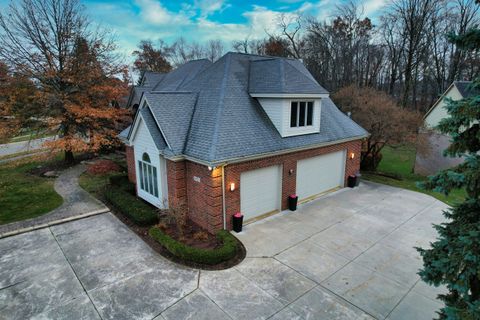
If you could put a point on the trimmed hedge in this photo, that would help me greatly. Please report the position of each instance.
(135, 209)
(198, 255)
(122, 182)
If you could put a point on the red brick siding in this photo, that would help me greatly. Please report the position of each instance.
(289, 162)
(177, 188)
(204, 198)
(130, 163)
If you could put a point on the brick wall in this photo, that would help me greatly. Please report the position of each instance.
(204, 187)
(289, 162)
(177, 188)
(204, 196)
(130, 163)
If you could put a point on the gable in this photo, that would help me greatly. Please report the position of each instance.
(146, 129)
(142, 140)
(438, 111)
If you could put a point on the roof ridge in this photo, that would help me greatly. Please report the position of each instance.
(226, 70)
(282, 75)
(198, 72)
(158, 124)
(187, 135)
(258, 55)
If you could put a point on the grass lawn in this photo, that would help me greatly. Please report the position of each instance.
(24, 196)
(399, 161)
(95, 183)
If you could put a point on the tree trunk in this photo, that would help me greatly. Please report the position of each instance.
(69, 158)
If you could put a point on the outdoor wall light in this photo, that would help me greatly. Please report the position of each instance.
(352, 155)
(232, 186)
(290, 172)
(211, 168)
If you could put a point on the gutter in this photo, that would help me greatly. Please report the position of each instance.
(224, 210)
(263, 155)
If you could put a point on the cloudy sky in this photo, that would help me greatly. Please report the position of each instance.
(200, 20)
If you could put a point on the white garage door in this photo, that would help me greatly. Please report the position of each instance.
(320, 174)
(260, 191)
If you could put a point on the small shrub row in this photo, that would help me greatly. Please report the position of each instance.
(198, 255)
(135, 209)
(122, 182)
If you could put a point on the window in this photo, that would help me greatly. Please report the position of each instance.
(301, 114)
(148, 176)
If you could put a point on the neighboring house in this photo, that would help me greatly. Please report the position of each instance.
(239, 135)
(430, 158)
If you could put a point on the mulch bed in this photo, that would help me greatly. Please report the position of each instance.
(142, 232)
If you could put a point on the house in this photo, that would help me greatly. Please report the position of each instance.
(430, 158)
(238, 135)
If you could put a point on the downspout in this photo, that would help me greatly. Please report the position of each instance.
(223, 199)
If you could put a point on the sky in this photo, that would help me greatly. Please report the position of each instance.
(201, 20)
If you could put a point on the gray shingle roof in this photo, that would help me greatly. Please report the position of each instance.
(282, 76)
(181, 75)
(465, 88)
(153, 128)
(150, 79)
(173, 112)
(124, 133)
(212, 117)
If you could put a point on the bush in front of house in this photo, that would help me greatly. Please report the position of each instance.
(122, 182)
(102, 166)
(204, 256)
(135, 209)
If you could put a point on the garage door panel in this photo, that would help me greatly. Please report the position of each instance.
(260, 191)
(319, 174)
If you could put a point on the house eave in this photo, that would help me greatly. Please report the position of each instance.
(261, 155)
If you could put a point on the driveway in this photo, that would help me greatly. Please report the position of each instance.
(348, 255)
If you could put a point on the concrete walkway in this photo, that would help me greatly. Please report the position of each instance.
(76, 201)
(346, 256)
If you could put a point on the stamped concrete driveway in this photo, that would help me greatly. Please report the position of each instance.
(348, 255)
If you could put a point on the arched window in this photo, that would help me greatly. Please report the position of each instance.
(148, 175)
(146, 158)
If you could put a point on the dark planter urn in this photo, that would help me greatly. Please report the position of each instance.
(292, 202)
(237, 222)
(357, 182)
(351, 181)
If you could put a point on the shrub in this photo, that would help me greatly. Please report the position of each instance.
(103, 166)
(203, 256)
(122, 182)
(135, 209)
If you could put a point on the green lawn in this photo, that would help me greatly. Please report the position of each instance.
(399, 162)
(24, 196)
(95, 183)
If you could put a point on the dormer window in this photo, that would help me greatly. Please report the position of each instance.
(301, 114)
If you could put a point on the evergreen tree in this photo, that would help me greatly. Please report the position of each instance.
(454, 258)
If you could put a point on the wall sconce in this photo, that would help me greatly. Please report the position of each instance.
(211, 168)
(290, 172)
(232, 186)
(352, 155)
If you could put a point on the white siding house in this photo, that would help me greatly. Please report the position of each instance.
(151, 171)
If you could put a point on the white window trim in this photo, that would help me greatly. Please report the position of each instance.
(306, 114)
(149, 181)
